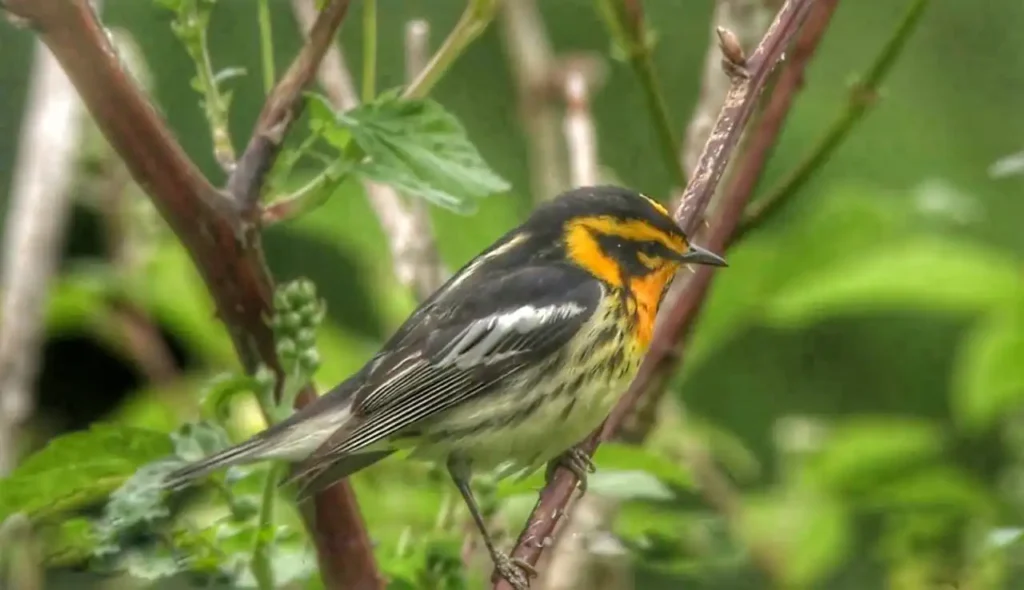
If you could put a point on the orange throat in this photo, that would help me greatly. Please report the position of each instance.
(646, 295)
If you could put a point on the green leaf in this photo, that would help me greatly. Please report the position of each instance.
(622, 457)
(420, 149)
(943, 276)
(862, 452)
(988, 378)
(628, 485)
(79, 469)
(68, 543)
(809, 534)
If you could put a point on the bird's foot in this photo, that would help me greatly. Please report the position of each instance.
(516, 571)
(575, 460)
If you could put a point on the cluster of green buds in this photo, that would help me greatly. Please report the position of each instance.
(297, 315)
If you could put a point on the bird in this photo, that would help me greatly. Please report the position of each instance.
(506, 367)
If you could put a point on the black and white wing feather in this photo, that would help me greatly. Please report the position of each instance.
(466, 343)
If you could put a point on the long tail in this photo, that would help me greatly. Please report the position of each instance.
(250, 450)
(291, 440)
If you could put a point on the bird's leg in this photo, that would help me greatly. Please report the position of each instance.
(576, 460)
(513, 570)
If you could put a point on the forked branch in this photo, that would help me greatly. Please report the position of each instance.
(225, 248)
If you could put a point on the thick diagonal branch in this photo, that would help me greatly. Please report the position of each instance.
(749, 75)
(225, 249)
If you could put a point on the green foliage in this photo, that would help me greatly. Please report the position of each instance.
(989, 376)
(79, 469)
(927, 274)
(414, 145)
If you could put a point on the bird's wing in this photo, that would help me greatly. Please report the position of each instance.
(470, 341)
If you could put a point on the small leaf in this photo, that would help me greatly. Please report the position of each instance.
(422, 150)
(623, 457)
(988, 378)
(862, 452)
(942, 276)
(79, 469)
(68, 543)
(628, 485)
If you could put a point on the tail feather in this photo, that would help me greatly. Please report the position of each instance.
(239, 454)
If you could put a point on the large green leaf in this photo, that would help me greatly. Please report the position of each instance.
(989, 373)
(924, 273)
(864, 452)
(419, 148)
(79, 469)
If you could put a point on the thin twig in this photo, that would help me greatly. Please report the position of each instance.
(408, 231)
(746, 19)
(474, 21)
(532, 62)
(34, 236)
(863, 96)
(280, 110)
(666, 352)
(626, 20)
(207, 223)
(748, 79)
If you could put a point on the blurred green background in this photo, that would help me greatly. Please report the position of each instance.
(859, 363)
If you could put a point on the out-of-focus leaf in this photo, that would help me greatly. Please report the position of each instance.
(172, 291)
(861, 452)
(938, 487)
(628, 485)
(808, 534)
(943, 276)
(68, 543)
(623, 457)
(79, 469)
(988, 379)
(135, 506)
(420, 149)
(844, 220)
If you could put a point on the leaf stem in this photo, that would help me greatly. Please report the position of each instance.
(214, 105)
(369, 50)
(626, 24)
(266, 45)
(473, 22)
(863, 95)
(310, 196)
(262, 567)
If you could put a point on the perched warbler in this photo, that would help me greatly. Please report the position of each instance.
(509, 365)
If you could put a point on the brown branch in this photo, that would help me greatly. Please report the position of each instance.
(280, 110)
(228, 256)
(748, 79)
(747, 19)
(666, 351)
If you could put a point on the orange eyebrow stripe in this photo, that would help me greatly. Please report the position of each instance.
(632, 229)
(661, 208)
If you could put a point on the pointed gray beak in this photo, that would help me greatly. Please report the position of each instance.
(698, 255)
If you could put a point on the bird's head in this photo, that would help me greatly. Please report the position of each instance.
(621, 236)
